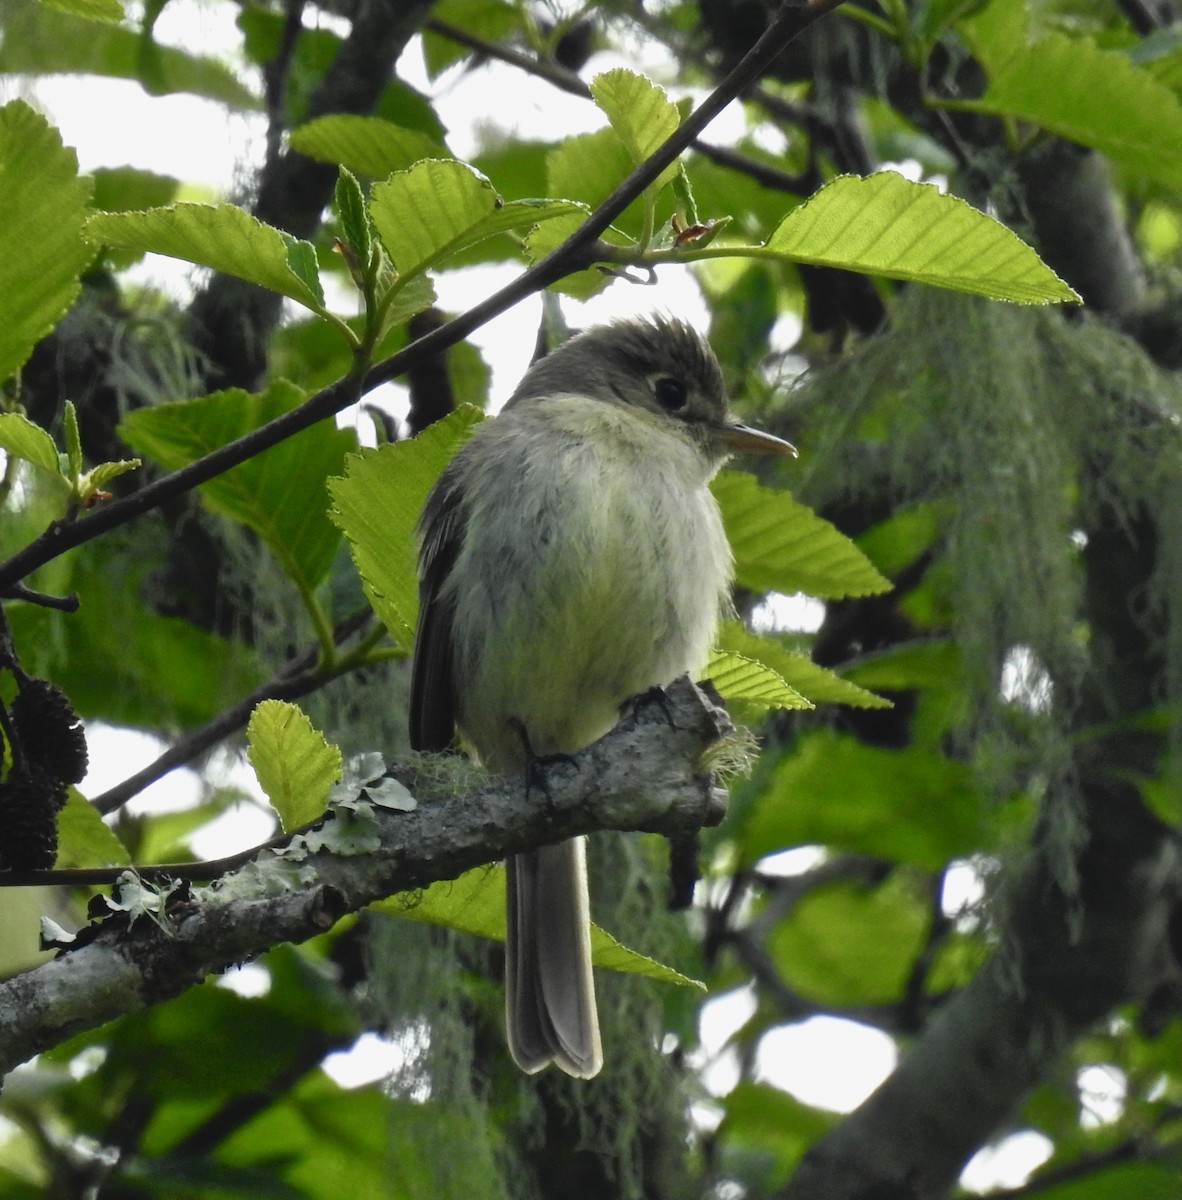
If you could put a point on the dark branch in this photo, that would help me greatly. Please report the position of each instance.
(62, 603)
(232, 319)
(576, 253)
(568, 81)
(551, 72)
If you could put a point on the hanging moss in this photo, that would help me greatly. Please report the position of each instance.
(1017, 423)
(443, 1001)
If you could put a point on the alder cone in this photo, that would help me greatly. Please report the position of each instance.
(29, 802)
(50, 731)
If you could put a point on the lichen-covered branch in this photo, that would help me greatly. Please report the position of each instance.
(644, 775)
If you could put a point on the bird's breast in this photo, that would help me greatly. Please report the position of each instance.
(594, 567)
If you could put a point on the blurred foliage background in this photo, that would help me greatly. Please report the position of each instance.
(981, 882)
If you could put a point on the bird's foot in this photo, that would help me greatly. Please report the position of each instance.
(537, 765)
(654, 697)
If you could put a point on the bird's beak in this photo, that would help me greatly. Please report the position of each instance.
(753, 441)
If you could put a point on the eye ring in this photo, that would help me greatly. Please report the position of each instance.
(671, 394)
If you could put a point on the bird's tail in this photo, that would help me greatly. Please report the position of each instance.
(550, 995)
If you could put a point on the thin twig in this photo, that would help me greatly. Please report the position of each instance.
(156, 873)
(296, 678)
(201, 871)
(568, 81)
(763, 173)
(62, 603)
(275, 76)
(551, 72)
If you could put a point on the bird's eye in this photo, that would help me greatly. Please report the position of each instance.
(670, 393)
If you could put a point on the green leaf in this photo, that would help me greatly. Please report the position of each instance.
(221, 237)
(117, 657)
(84, 839)
(366, 145)
(1163, 798)
(310, 353)
(124, 189)
(581, 285)
(294, 763)
(440, 207)
(640, 112)
(1095, 97)
(42, 40)
(783, 546)
(745, 679)
(995, 32)
(799, 672)
(349, 203)
(22, 439)
(1160, 54)
(164, 837)
(416, 294)
(884, 224)
(279, 493)
(489, 20)
(219, 1043)
(848, 944)
(118, 189)
(92, 10)
(323, 1141)
(519, 167)
(98, 477)
(73, 440)
(587, 167)
(765, 1121)
(895, 543)
(475, 903)
(301, 261)
(1146, 1181)
(42, 210)
(407, 108)
(377, 502)
(424, 213)
(909, 805)
(613, 955)
(926, 663)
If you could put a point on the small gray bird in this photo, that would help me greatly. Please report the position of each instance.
(572, 557)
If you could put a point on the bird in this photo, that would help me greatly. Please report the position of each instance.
(571, 558)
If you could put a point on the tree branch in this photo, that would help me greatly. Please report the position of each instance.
(999, 1036)
(552, 72)
(644, 775)
(1088, 927)
(1138, 1148)
(1080, 229)
(576, 253)
(232, 319)
(567, 81)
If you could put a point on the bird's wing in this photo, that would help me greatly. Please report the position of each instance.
(432, 684)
